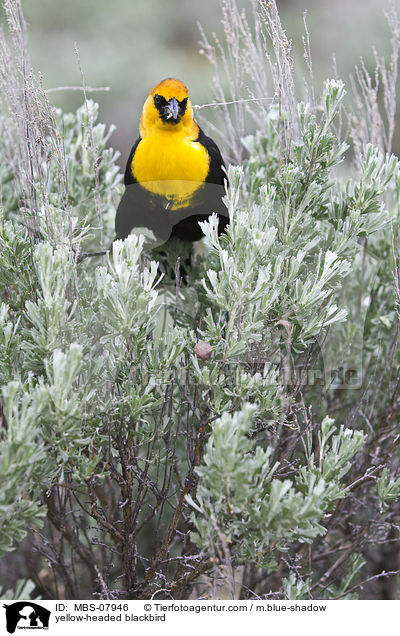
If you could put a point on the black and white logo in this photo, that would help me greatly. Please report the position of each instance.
(26, 615)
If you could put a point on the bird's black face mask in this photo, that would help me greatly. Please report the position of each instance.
(171, 111)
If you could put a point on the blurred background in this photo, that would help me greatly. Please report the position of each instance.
(129, 45)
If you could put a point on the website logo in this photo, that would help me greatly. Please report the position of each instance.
(26, 615)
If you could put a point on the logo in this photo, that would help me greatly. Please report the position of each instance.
(26, 615)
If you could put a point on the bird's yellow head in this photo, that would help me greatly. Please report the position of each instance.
(168, 108)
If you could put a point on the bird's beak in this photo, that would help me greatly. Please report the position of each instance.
(172, 109)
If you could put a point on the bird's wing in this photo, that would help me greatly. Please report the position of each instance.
(132, 208)
(129, 178)
(216, 172)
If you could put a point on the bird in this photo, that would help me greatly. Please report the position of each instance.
(175, 175)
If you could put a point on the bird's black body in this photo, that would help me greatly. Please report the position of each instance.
(141, 208)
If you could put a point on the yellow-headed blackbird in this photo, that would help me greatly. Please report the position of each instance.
(174, 176)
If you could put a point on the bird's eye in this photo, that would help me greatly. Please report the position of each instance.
(159, 100)
(183, 104)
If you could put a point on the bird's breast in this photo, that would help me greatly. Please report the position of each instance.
(171, 166)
